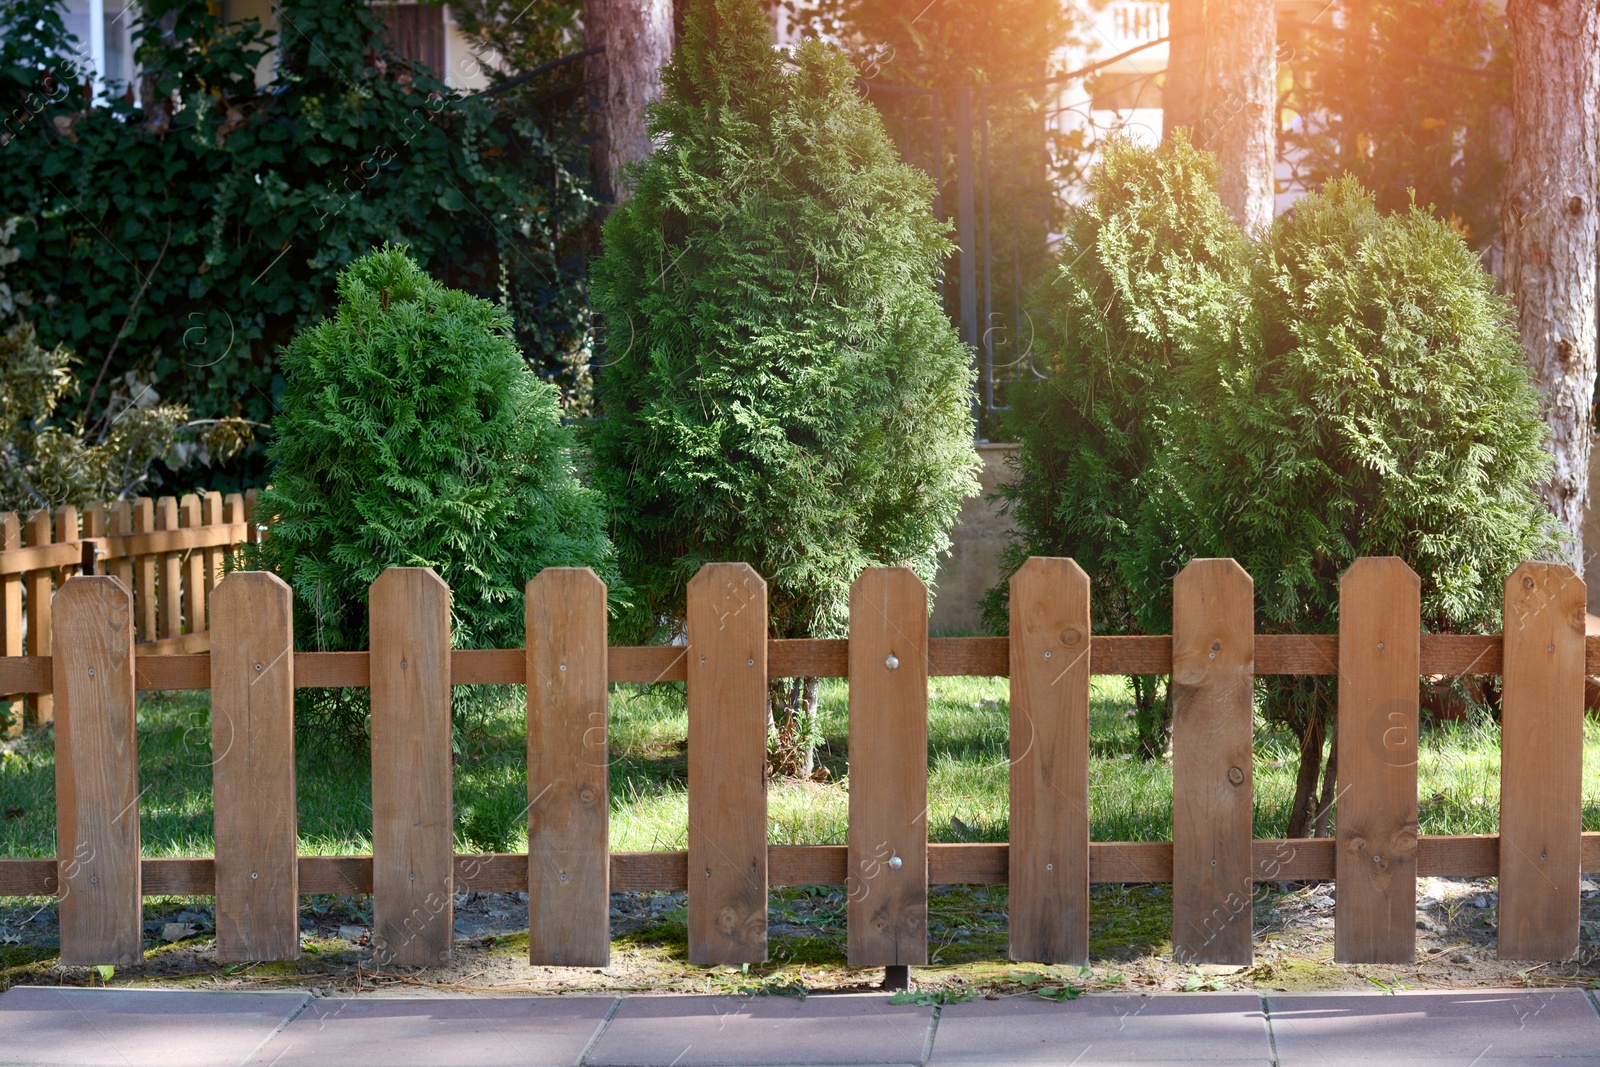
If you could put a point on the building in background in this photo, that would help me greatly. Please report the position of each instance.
(1126, 95)
(422, 32)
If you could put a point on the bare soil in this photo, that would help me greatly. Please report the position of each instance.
(1130, 948)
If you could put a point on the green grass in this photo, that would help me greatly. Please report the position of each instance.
(1130, 799)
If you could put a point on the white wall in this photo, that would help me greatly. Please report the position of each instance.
(110, 52)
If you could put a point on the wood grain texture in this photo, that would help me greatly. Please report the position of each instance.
(10, 623)
(1541, 763)
(653, 663)
(38, 587)
(253, 768)
(212, 516)
(144, 574)
(887, 887)
(94, 521)
(173, 664)
(170, 589)
(1049, 669)
(194, 568)
(97, 776)
(569, 871)
(1213, 776)
(119, 520)
(1303, 859)
(727, 694)
(1375, 909)
(413, 822)
(66, 534)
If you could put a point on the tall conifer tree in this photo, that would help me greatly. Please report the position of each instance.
(782, 386)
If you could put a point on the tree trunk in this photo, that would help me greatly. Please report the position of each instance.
(637, 35)
(1303, 815)
(1548, 227)
(1180, 91)
(1238, 103)
(792, 727)
(1330, 780)
(1152, 714)
(594, 83)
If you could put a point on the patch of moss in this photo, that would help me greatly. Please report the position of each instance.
(22, 955)
(1129, 921)
(798, 950)
(507, 945)
(1298, 974)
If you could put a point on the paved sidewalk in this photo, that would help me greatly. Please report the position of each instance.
(174, 1028)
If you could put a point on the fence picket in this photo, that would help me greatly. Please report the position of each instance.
(171, 585)
(194, 569)
(727, 691)
(253, 533)
(887, 880)
(10, 622)
(1541, 762)
(1049, 657)
(144, 592)
(120, 521)
(212, 503)
(253, 770)
(66, 531)
(569, 863)
(97, 775)
(39, 585)
(1213, 691)
(1375, 899)
(94, 520)
(413, 826)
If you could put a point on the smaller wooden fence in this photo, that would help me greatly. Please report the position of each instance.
(1213, 656)
(168, 551)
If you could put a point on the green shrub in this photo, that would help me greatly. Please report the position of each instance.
(412, 435)
(47, 460)
(783, 386)
(1153, 276)
(187, 238)
(1386, 409)
(1357, 390)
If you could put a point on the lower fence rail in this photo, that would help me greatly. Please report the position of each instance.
(1307, 859)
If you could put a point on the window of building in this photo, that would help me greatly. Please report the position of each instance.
(416, 32)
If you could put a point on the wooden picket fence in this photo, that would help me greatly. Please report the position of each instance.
(888, 864)
(168, 551)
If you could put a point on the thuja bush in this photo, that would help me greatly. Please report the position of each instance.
(1152, 277)
(783, 387)
(413, 435)
(1364, 394)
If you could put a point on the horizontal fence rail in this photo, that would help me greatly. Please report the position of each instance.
(1376, 855)
(948, 657)
(168, 552)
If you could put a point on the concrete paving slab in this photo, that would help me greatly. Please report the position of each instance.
(439, 1032)
(1436, 1029)
(762, 1032)
(1196, 1028)
(48, 1025)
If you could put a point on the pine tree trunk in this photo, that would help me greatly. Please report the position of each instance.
(1548, 225)
(1239, 95)
(637, 35)
(594, 83)
(1330, 783)
(1180, 92)
(808, 708)
(1302, 816)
